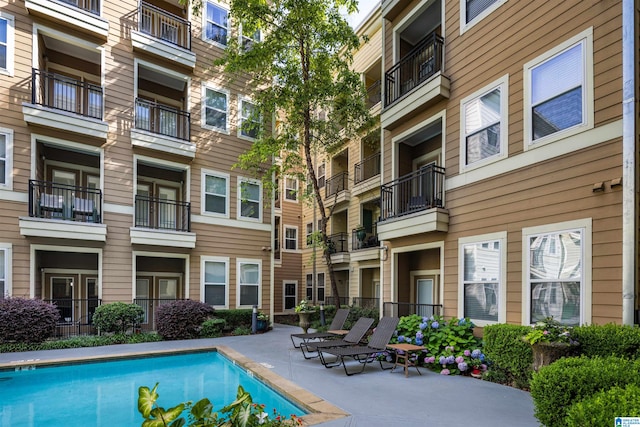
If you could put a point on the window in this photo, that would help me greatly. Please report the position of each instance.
(217, 24)
(249, 274)
(248, 38)
(215, 285)
(473, 11)
(6, 148)
(309, 294)
(216, 193)
(291, 189)
(291, 238)
(5, 270)
(276, 238)
(215, 114)
(320, 288)
(249, 122)
(559, 91)
(6, 43)
(309, 234)
(321, 175)
(249, 199)
(483, 278)
(484, 125)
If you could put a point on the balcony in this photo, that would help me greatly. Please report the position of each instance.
(163, 35)
(364, 244)
(83, 15)
(413, 204)
(363, 172)
(338, 247)
(162, 222)
(337, 188)
(374, 94)
(415, 82)
(66, 104)
(64, 212)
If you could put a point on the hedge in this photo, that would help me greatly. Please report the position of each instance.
(510, 359)
(603, 407)
(182, 319)
(27, 320)
(608, 340)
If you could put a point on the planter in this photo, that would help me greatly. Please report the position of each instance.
(476, 373)
(361, 234)
(261, 325)
(305, 320)
(545, 353)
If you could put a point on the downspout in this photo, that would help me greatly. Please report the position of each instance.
(629, 211)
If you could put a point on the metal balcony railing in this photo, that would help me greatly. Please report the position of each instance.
(367, 168)
(336, 184)
(63, 93)
(366, 302)
(328, 300)
(164, 25)
(156, 213)
(362, 239)
(420, 190)
(68, 202)
(424, 60)
(162, 119)
(338, 243)
(374, 93)
(75, 316)
(91, 6)
(399, 309)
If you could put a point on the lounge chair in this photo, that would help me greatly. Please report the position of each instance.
(335, 329)
(364, 353)
(353, 337)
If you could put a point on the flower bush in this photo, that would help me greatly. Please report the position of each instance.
(304, 305)
(551, 331)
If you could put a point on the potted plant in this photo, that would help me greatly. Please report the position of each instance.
(550, 340)
(304, 310)
(361, 233)
(263, 321)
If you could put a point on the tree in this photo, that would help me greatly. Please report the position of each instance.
(319, 102)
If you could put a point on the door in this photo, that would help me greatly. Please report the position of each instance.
(62, 297)
(91, 293)
(142, 296)
(167, 207)
(143, 205)
(64, 189)
(290, 295)
(424, 296)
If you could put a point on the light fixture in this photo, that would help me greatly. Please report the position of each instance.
(598, 186)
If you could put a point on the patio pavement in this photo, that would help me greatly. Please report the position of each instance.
(374, 398)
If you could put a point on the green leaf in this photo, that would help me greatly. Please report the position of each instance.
(146, 399)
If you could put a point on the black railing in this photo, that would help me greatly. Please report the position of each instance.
(424, 60)
(162, 119)
(91, 6)
(367, 168)
(329, 300)
(68, 202)
(163, 214)
(374, 93)
(420, 190)
(399, 309)
(338, 243)
(164, 25)
(362, 238)
(76, 316)
(63, 93)
(149, 307)
(336, 184)
(366, 302)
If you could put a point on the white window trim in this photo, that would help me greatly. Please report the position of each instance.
(585, 225)
(204, 24)
(284, 184)
(203, 112)
(240, 120)
(586, 38)
(8, 173)
(284, 247)
(466, 26)
(284, 295)
(8, 263)
(239, 201)
(203, 261)
(239, 262)
(203, 184)
(241, 36)
(11, 44)
(502, 84)
(500, 236)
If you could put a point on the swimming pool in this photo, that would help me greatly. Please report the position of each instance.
(106, 393)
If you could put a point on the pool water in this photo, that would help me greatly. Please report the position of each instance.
(106, 393)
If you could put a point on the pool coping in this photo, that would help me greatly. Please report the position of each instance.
(320, 410)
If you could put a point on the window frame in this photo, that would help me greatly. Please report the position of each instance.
(309, 234)
(241, 119)
(8, 252)
(323, 287)
(205, 23)
(239, 215)
(585, 226)
(308, 286)
(203, 115)
(321, 175)
(239, 263)
(203, 193)
(203, 261)
(277, 241)
(10, 43)
(503, 85)
(463, 242)
(466, 26)
(287, 189)
(8, 159)
(287, 239)
(242, 37)
(585, 38)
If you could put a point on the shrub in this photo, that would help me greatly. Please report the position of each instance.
(235, 318)
(603, 407)
(567, 381)
(212, 328)
(510, 358)
(117, 317)
(608, 340)
(241, 330)
(180, 320)
(27, 320)
(81, 341)
(357, 312)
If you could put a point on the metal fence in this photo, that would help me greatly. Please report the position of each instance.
(420, 190)
(367, 168)
(338, 243)
(162, 119)
(399, 309)
(164, 25)
(66, 94)
(156, 213)
(68, 202)
(336, 184)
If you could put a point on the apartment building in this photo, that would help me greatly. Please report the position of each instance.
(118, 139)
